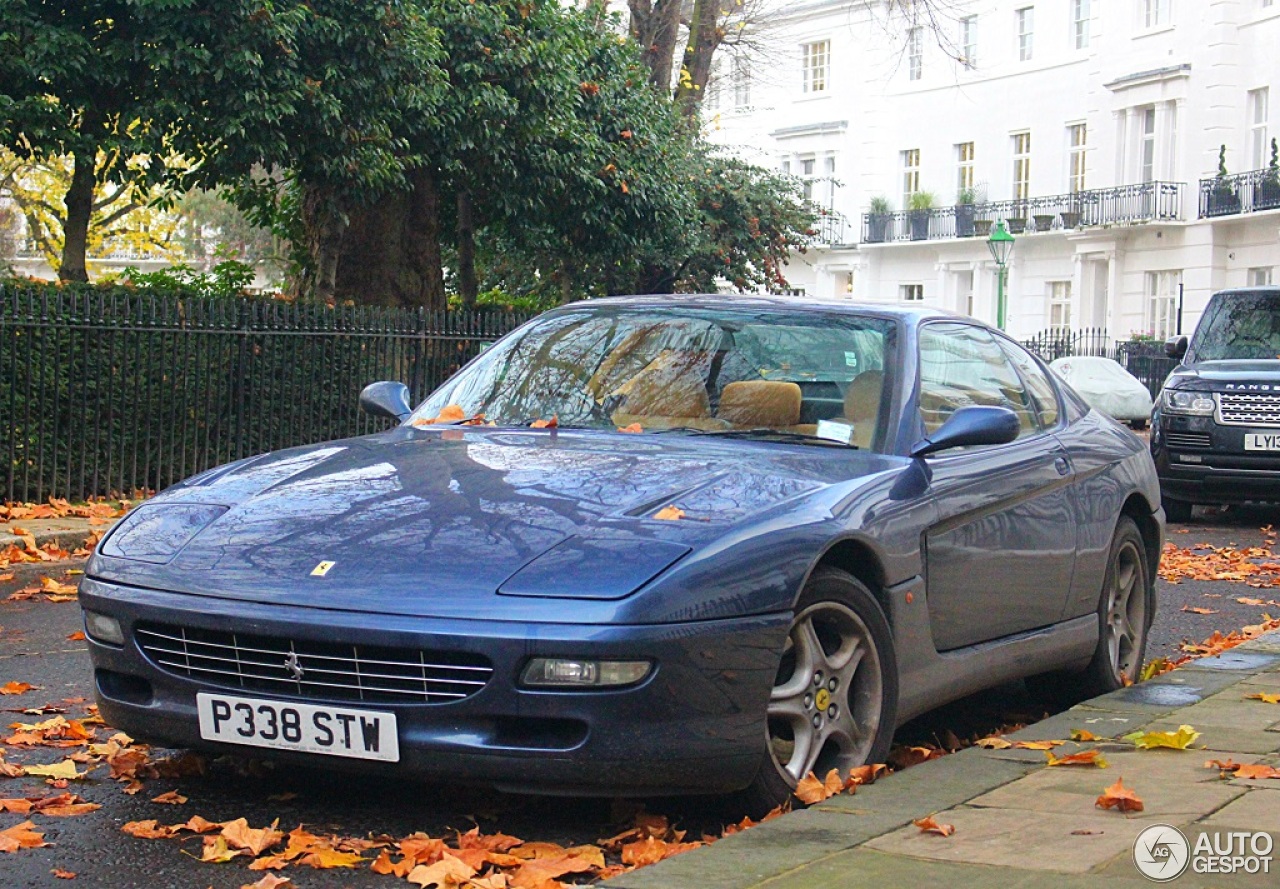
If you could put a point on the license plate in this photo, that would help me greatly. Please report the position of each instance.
(280, 725)
(1262, 441)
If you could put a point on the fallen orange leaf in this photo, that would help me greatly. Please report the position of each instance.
(929, 825)
(172, 798)
(447, 873)
(240, 835)
(811, 790)
(1256, 771)
(1120, 798)
(651, 850)
(1083, 758)
(15, 688)
(669, 514)
(1265, 697)
(77, 636)
(63, 874)
(21, 836)
(270, 881)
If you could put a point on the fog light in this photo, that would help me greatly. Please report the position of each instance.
(103, 628)
(576, 673)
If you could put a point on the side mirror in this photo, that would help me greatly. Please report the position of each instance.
(1175, 347)
(386, 399)
(972, 425)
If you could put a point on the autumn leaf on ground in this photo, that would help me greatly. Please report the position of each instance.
(866, 774)
(240, 835)
(21, 836)
(905, 756)
(49, 585)
(66, 769)
(1179, 740)
(1037, 745)
(1265, 697)
(1255, 771)
(217, 850)
(929, 825)
(64, 805)
(270, 881)
(327, 858)
(811, 790)
(993, 743)
(1192, 609)
(77, 636)
(15, 688)
(538, 871)
(1248, 600)
(1083, 735)
(447, 873)
(1120, 798)
(172, 798)
(63, 874)
(1229, 766)
(651, 850)
(147, 830)
(669, 514)
(1083, 758)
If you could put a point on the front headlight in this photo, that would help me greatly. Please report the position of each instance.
(1182, 401)
(155, 532)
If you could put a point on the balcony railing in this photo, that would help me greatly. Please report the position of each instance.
(1241, 193)
(1122, 205)
(832, 229)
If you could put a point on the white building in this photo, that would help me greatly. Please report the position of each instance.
(1111, 112)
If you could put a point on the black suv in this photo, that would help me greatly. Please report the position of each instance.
(1215, 430)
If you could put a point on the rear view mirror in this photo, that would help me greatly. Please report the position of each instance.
(1175, 347)
(968, 426)
(386, 399)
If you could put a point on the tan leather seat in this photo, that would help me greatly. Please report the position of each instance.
(754, 404)
(672, 385)
(862, 405)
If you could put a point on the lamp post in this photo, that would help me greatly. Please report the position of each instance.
(1000, 243)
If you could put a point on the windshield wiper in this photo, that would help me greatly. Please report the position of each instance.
(762, 434)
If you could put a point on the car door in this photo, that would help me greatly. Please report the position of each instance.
(1000, 555)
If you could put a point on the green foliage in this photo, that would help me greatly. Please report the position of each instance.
(879, 205)
(229, 277)
(967, 196)
(921, 200)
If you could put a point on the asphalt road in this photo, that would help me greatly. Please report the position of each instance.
(34, 648)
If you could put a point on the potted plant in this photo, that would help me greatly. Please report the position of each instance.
(1044, 221)
(879, 215)
(921, 208)
(1266, 194)
(982, 227)
(1223, 199)
(1071, 216)
(1015, 224)
(966, 198)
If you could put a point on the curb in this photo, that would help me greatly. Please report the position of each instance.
(68, 534)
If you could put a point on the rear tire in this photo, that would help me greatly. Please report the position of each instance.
(1176, 510)
(1125, 610)
(835, 699)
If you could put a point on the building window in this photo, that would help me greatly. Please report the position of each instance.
(1260, 277)
(1258, 101)
(964, 167)
(1021, 166)
(829, 181)
(1077, 137)
(1162, 303)
(910, 175)
(1156, 13)
(915, 53)
(1080, 23)
(1060, 306)
(1025, 25)
(969, 41)
(911, 293)
(808, 176)
(1148, 152)
(740, 75)
(815, 57)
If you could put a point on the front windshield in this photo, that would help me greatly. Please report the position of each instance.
(694, 369)
(1240, 326)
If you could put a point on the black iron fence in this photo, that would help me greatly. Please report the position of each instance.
(1145, 359)
(119, 390)
(1122, 205)
(1240, 193)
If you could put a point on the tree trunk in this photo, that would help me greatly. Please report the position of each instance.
(705, 36)
(655, 26)
(325, 225)
(468, 286)
(422, 241)
(75, 231)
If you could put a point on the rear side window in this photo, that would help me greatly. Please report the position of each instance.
(1043, 394)
(962, 365)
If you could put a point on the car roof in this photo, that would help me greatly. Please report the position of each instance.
(910, 314)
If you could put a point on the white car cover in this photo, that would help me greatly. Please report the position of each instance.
(1106, 386)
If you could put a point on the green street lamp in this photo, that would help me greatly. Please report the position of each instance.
(1001, 246)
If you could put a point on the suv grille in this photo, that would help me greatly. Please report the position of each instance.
(1239, 409)
(1188, 439)
(331, 671)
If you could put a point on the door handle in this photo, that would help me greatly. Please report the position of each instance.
(1062, 466)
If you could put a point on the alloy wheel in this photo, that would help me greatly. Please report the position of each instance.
(827, 700)
(1126, 615)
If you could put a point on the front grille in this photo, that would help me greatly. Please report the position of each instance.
(1188, 439)
(1253, 409)
(321, 670)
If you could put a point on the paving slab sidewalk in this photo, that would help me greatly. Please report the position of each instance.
(1020, 823)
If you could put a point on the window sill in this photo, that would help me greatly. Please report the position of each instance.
(813, 97)
(1153, 32)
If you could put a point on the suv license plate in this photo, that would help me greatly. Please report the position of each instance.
(283, 725)
(1262, 441)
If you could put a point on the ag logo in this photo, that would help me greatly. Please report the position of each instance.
(1161, 853)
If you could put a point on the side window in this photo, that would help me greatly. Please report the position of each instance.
(961, 365)
(1042, 392)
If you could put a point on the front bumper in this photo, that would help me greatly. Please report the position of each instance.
(695, 725)
(1201, 461)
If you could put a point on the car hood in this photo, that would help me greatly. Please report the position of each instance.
(452, 522)
(1223, 376)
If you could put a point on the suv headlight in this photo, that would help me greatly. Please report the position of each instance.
(1181, 401)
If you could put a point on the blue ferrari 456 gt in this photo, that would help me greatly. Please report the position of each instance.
(643, 545)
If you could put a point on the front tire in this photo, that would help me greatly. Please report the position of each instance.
(835, 698)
